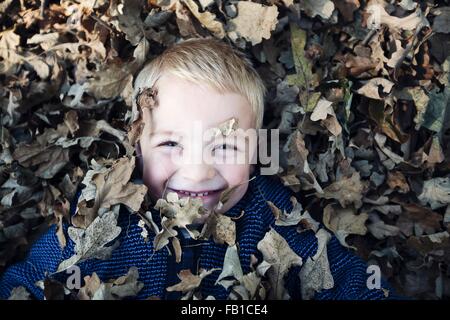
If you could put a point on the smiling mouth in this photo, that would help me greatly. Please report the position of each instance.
(198, 193)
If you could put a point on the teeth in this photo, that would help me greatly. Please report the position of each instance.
(194, 194)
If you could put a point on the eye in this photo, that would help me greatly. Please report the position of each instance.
(168, 143)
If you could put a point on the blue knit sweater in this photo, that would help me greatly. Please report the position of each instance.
(157, 270)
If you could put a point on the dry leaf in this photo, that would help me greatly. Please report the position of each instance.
(436, 192)
(179, 213)
(344, 222)
(90, 242)
(280, 257)
(254, 22)
(112, 187)
(348, 190)
(315, 274)
(189, 281)
(296, 216)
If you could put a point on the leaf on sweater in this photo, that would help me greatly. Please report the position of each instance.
(91, 242)
(348, 190)
(19, 293)
(343, 222)
(280, 257)
(315, 274)
(254, 22)
(231, 267)
(112, 187)
(179, 213)
(115, 289)
(221, 227)
(177, 248)
(190, 281)
(296, 216)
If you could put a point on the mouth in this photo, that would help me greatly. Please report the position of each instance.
(204, 194)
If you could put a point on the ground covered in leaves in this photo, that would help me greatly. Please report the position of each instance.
(359, 91)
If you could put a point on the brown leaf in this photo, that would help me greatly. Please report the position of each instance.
(189, 281)
(343, 222)
(112, 187)
(279, 257)
(254, 22)
(347, 191)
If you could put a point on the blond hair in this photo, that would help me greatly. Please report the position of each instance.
(207, 61)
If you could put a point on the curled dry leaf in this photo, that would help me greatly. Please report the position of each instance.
(19, 293)
(343, 222)
(296, 216)
(436, 192)
(315, 274)
(279, 257)
(379, 229)
(231, 267)
(221, 227)
(112, 187)
(206, 18)
(254, 22)
(190, 281)
(347, 191)
(179, 213)
(91, 242)
(116, 289)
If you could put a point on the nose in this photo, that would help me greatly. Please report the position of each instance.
(198, 172)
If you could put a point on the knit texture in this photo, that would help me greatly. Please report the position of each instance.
(158, 270)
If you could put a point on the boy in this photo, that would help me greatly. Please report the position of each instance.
(206, 83)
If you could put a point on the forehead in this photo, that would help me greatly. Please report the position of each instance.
(182, 103)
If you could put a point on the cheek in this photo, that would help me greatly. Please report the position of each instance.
(157, 169)
(234, 174)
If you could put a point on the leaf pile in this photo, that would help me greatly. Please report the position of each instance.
(358, 89)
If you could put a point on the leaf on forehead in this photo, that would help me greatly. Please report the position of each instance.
(190, 281)
(226, 128)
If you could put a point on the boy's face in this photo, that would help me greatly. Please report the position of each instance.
(180, 155)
